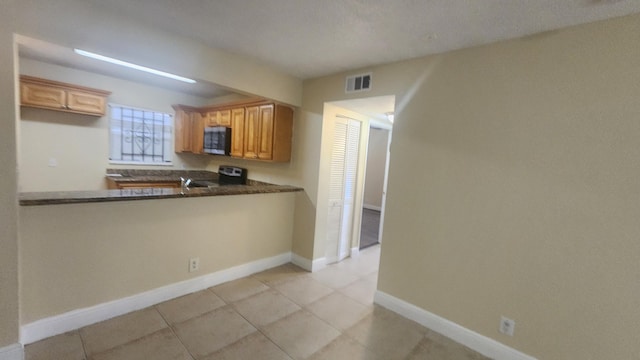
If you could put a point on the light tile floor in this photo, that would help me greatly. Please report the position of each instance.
(281, 313)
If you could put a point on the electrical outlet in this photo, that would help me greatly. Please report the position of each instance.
(53, 162)
(507, 326)
(194, 264)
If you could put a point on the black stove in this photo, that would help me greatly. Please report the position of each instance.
(232, 175)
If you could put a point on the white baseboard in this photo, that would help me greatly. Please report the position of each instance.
(471, 339)
(311, 266)
(76, 319)
(319, 264)
(372, 207)
(12, 352)
(302, 262)
(355, 252)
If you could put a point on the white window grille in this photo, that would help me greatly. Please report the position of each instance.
(139, 136)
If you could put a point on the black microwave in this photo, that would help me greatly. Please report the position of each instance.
(217, 140)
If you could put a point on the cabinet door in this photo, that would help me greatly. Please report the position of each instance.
(42, 96)
(224, 118)
(86, 103)
(237, 132)
(211, 118)
(251, 129)
(183, 131)
(197, 133)
(218, 118)
(265, 133)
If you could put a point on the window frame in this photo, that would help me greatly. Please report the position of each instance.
(169, 148)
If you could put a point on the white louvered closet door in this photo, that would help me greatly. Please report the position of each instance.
(342, 185)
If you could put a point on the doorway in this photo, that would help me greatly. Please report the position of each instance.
(375, 184)
(341, 190)
(342, 186)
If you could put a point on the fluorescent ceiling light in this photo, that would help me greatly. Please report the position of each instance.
(133, 66)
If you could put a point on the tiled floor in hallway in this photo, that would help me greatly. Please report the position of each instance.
(281, 313)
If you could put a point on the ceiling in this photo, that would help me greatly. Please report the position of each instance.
(312, 38)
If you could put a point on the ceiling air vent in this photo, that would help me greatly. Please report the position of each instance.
(357, 83)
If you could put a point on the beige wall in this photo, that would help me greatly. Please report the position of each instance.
(74, 256)
(79, 143)
(376, 162)
(522, 200)
(9, 305)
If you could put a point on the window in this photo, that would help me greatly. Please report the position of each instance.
(140, 136)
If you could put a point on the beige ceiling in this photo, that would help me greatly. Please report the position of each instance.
(311, 38)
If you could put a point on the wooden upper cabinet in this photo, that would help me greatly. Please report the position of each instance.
(265, 133)
(188, 130)
(182, 130)
(86, 103)
(197, 135)
(278, 135)
(218, 118)
(260, 129)
(42, 96)
(237, 132)
(251, 128)
(54, 95)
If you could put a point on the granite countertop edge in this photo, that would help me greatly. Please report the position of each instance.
(76, 197)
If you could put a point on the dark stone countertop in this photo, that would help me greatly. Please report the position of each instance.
(126, 175)
(75, 197)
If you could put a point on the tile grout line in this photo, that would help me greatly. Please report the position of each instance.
(304, 308)
(173, 330)
(258, 329)
(84, 348)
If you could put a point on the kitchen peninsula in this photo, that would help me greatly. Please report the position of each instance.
(113, 254)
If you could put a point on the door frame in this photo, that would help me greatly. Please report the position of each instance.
(322, 203)
(389, 128)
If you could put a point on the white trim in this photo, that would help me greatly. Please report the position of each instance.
(76, 319)
(12, 352)
(319, 264)
(372, 207)
(355, 252)
(312, 266)
(382, 125)
(302, 262)
(480, 343)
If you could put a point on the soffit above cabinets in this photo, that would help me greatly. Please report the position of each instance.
(39, 50)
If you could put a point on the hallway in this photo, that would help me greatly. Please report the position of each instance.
(369, 232)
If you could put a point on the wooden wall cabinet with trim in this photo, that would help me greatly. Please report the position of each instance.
(267, 132)
(59, 96)
(237, 132)
(260, 129)
(218, 118)
(189, 130)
